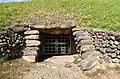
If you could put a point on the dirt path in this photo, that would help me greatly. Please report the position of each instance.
(56, 67)
(62, 67)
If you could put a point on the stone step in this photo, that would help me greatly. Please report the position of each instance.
(32, 43)
(32, 37)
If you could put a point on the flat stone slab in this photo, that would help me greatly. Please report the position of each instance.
(31, 32)
(86, 42)
(88, 53)
(30, 51)
(83, 38)
(54, 23)
(86, 48)
(32, 37)
(32, 43)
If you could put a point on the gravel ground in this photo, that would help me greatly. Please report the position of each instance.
(57, 67)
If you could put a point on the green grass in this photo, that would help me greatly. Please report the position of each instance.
(92, 13)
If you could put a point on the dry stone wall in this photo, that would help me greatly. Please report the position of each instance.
(91, 44)
(108, 43)
(12, 42)
(32, 43)
(105, 44)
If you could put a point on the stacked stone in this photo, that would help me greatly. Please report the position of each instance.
(32, 43)
(3, 43)
(85, 47)
(11, 43)
(108, 43)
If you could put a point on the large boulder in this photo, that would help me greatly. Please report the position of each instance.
(89, 62)
(53, 23)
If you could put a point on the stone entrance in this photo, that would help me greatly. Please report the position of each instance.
(56, 44)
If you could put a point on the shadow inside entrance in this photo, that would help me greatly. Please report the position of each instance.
(43, 57)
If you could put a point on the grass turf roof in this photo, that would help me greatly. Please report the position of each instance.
(92, 13)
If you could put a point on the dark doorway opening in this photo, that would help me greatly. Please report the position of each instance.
(56, 44)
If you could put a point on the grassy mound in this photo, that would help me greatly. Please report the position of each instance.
(92, 13)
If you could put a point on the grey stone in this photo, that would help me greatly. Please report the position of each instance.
(30, 53)
(0, 41)
(19, 29)
(99, 37)
(32, 37)
(96, 45)
(116, 43)
(100, 40)
(117, 52)
(31, 32)
(97, 48)
(32, 43)
(3, 32)
(104, 45)
(88, 53)
(111, 42)
(1, 49)
(111, 33)
(113, 46)
(118, 47)
(101, 56)
(83, 38)
(89, 62)
(94, 36)
(113, 55)
(54, 23)
(114, 50)
(86, 42)
(109, 54)
(102, 50)
(107, 58)
(31, 48)
(82, 34)
(31, 59)
(118, 38)
(17, 41)
(107, 37)
(108, 50)
(76, 32)
(118, 56)
(85, 48)
(3, 44)
(112, 38)
(115, 60)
